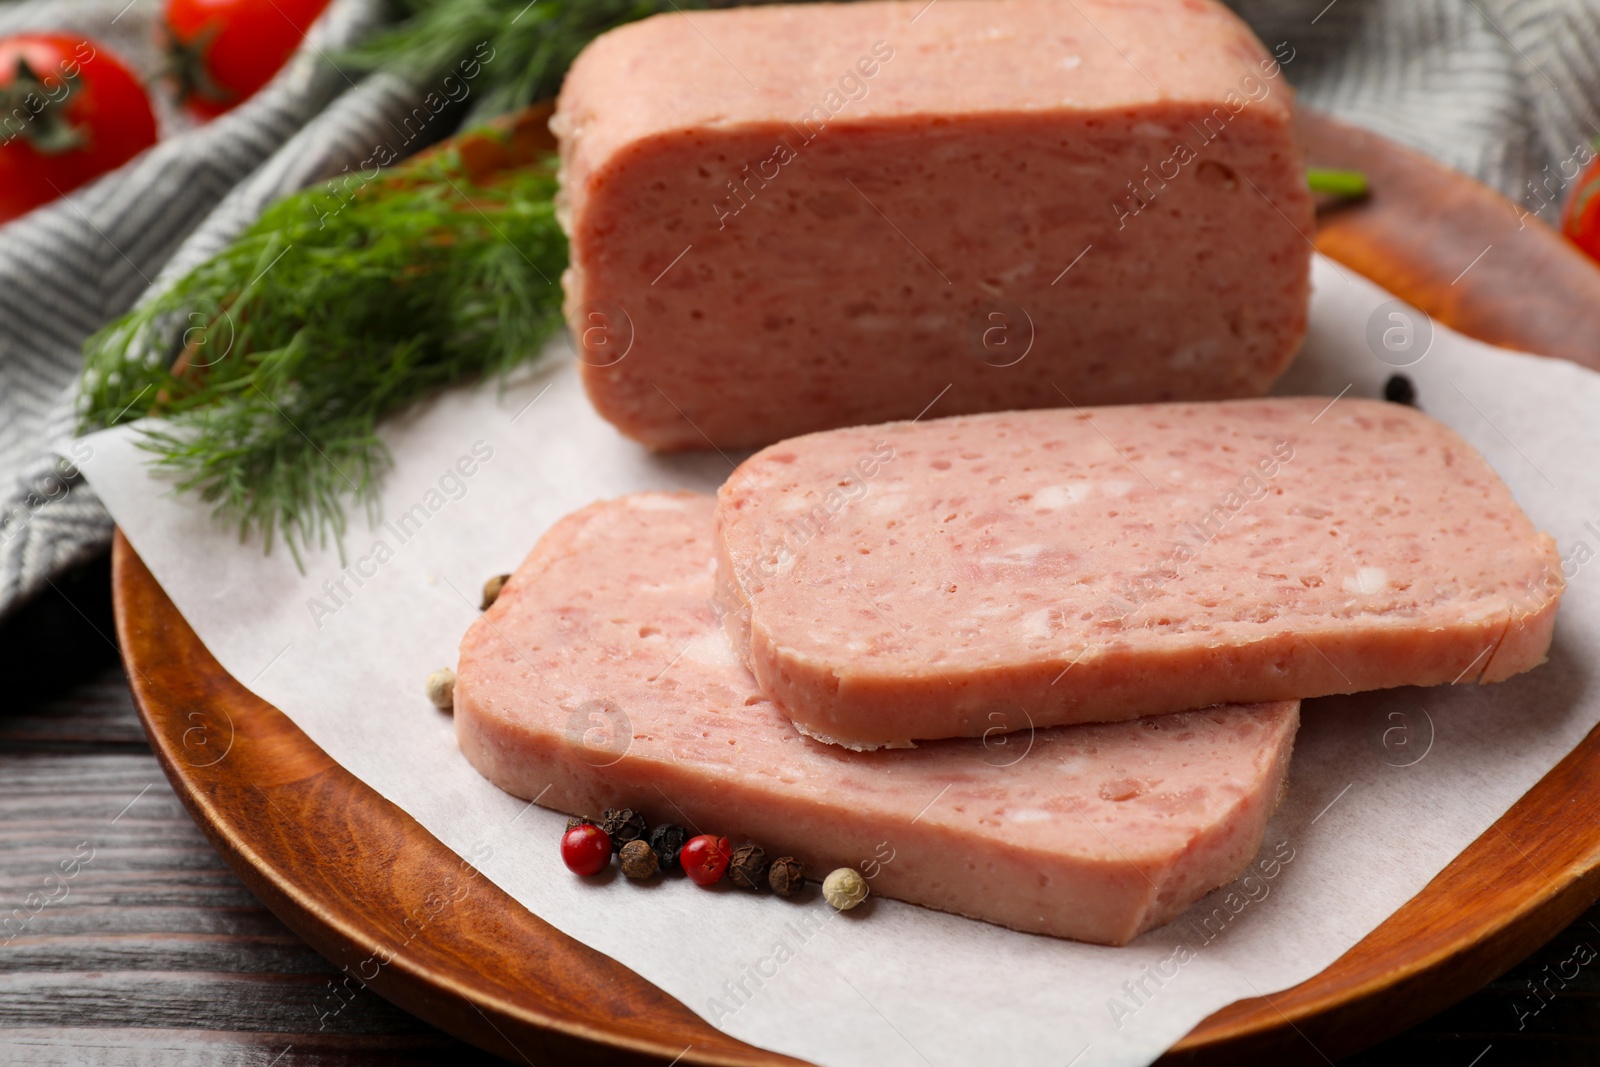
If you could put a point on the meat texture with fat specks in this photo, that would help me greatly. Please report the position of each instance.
(790, 218)
(891, 583)
(600, 678)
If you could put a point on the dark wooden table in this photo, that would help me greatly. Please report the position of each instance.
(125, 940)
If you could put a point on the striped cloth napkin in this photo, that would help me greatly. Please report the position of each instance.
(1505, 90)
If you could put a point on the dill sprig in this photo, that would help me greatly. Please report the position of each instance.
(273, 362)
(533, 43)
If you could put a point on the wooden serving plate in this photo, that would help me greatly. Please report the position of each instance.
(344, 868)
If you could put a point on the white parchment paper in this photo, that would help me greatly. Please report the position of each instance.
(1385, 788)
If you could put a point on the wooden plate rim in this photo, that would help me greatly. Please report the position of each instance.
(1477, 943)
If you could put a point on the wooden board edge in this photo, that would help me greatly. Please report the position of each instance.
(223, 763)
(1396, 985)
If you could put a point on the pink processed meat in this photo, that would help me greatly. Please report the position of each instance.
(600, 678)
(789, 218)
(892, 583)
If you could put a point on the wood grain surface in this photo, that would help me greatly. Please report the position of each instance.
(366, 885)
(344, 868)
(152, 952)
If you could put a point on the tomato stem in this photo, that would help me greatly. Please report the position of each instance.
(187, 65)
(47, 127)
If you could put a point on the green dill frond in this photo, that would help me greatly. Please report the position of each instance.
(274, 362)
(529, 45)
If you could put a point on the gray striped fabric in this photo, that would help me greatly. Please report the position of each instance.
(1506, 90)
(71, 266)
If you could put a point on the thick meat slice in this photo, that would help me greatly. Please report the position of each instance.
(600, 678)
(789, 218)
(893, 582)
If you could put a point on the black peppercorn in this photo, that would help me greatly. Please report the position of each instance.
(578, 820)
(638, 860)
(667, 840)
(748, 867)
(1399, 390)
(786, 876)
(624, 825)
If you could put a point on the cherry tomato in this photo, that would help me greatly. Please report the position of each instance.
(586, 849)
(69, 112)
(704, 858)
(1581, 221)
(221, 51)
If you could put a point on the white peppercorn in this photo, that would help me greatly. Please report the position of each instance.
(442, 688)
(844, 888)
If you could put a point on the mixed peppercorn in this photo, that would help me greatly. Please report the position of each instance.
(643, 851)
(1400, 390)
